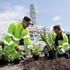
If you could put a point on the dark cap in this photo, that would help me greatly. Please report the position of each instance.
(26, 18)
(57, 27)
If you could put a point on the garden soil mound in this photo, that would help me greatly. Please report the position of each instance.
(41, 64)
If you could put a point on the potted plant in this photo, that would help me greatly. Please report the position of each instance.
(50, 48)
(35, 51)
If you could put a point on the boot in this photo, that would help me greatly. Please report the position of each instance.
(60, 55)
(66, 55)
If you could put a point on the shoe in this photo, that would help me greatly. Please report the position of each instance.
(66, 55)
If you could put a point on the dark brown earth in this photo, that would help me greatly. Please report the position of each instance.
(41, 64)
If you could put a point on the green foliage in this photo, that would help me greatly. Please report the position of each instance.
(36, 49)
(1, 54)
(69, 39)
(10, 53)
(45, 39)
(43, 36)
(49, 44)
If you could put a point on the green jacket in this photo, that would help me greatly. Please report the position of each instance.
(15, 32)
(63, 44)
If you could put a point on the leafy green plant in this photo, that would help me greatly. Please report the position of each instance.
(45, 39)
(10, 53)
(36, 49)
(1, 54)
(49, 44)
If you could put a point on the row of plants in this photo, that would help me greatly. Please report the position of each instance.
(35, 49)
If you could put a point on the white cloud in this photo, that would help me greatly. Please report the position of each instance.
(11, 14)
(56, 21)
(56, 18)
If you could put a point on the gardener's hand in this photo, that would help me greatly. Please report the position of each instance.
(60, 52)
(17, 49)
(20, 48)
(53, 47)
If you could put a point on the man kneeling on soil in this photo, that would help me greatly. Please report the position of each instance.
(60, 41)
(17, 35)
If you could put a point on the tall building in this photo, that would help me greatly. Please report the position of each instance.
(34, 29)
(33, 13)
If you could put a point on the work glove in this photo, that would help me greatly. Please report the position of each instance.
(52, 47)
(20, 48)
(60, 52)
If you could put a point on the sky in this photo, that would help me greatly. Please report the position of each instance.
(48, 12)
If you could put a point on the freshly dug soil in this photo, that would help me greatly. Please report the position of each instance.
(41, 64)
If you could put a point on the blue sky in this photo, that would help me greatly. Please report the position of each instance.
(49, 12)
